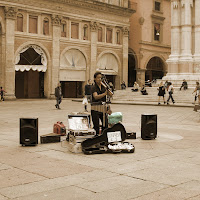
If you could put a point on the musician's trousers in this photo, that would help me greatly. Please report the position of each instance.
(95, 119)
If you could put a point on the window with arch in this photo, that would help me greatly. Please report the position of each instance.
(46, 26)
(100, 34)
(33, 23)
(85, 32)
(109, 35)
(63, 29)
(20, 22)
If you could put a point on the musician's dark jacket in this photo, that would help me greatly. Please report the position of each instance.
(95, 88)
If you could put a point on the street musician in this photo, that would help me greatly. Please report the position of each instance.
(99, 108)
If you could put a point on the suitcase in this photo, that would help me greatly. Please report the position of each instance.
(59, 128)
(131, 135)
(79, 131)
(49, 138)
(115, 118)
(111, 141)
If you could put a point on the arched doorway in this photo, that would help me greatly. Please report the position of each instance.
(30, 66)
(155, 69)
(72, 73)
(131, 69)
(108, 65)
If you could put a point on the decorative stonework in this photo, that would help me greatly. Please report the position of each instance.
(141, 20)
(125, 30)
(175, 4)
(183, 2)
(56, 20)
(94, 26)
(10, 12)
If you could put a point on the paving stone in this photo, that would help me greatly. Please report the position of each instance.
(63, 193)
(171, 159)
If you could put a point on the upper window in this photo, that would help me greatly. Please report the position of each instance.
(100, 33)
(118, 37)
(85, 32)
(109, 35)
(157, 32)
(46, 26)
(63, 29)
(74, 30)
(20, 22)
(157, 6)
(33, 24)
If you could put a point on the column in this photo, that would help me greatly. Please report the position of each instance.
(93, 64)
(186, 37)
(56, 22)
(125, 55)
(197, 32)
(175, 31)
(10, 15)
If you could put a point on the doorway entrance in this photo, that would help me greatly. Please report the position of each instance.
(29, 84)
(29, 78)
(131, 70)
(72, 89)
(155, 69)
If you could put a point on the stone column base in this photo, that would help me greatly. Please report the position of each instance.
(9, 96)
(177, 78)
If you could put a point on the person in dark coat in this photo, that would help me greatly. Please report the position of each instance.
(88, 92)
(161, 92)
(143, 90)
(2, 93)
(58, 95)
(184, 85)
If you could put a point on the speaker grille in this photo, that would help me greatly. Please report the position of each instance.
(28, 131)
(148, 127)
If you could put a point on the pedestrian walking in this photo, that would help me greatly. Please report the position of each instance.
(58, 95)
(88, 93)
(2, 94)
(197, 90)
(161, 92)
(170, 90)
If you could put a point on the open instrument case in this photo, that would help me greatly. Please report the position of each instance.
(111, 141)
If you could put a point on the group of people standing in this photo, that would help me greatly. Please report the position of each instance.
(161, 92)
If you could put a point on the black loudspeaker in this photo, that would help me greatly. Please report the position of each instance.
(28, 131)
(148, 127)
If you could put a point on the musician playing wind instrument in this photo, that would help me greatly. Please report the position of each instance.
(98, 111)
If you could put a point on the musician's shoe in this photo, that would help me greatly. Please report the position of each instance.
(56, 106)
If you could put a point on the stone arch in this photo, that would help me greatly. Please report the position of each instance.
(112, 53)
(32, 81)
(108, 63)
(156, 68)
(74, 48)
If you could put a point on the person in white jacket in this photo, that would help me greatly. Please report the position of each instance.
(170, 90)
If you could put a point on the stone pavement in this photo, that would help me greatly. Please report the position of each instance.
(167, 168)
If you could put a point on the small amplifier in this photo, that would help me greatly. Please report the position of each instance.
(131, 135)
(49, 138)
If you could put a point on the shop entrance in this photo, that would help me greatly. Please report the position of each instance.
(29, 78)
(72, 89)
(29, 84)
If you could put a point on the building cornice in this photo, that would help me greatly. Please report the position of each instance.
(99, 6)
(87, 4)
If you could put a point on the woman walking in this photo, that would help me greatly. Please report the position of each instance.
(161, 92)
(197, 90)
